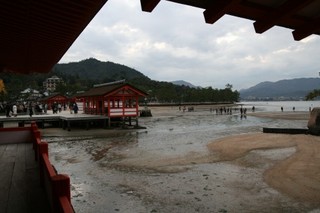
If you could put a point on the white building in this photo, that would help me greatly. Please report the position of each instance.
(50, 84)
(30, 94)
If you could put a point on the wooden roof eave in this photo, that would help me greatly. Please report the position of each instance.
(139, 92)
(53, 96)
(299, 15)
(112, 92)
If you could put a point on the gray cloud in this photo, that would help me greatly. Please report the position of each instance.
(174, 43)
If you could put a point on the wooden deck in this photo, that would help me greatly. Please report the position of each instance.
(20, 189)
(64, 120)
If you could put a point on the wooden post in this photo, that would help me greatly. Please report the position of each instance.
(97, 105)
(37, 137)
(36, 134)
(43, 149)
(60, 188)
(68, 124)
(104, 123)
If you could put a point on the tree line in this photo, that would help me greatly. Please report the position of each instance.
(165, 92)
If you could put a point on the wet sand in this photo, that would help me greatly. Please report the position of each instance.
(297, 176)
(283, 115)
(250, 172)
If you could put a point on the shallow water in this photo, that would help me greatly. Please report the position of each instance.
(184, 132)
(275, 106)
(192, 131)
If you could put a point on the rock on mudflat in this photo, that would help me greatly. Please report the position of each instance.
(314, 121)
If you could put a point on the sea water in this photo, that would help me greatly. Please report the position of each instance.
(275, 106)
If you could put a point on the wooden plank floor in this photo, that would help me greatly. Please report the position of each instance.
(20, 189)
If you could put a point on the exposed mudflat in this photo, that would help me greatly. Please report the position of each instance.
(190, 162)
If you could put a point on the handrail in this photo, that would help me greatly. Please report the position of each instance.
(56, 185)
(65, 204)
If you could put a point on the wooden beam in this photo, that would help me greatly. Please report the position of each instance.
(306, 30)
(285, 10)
(148, 5)
(217, 9)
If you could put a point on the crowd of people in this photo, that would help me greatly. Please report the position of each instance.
(13, 109)
(223, 110)
(35, 108)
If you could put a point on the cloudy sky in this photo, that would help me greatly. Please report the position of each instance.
(174, 43)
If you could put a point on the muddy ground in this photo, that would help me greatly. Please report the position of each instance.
(178, 168)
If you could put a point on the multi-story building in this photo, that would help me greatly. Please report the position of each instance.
(50, 84)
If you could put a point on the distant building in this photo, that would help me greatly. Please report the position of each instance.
(50, 84)
(30, 94)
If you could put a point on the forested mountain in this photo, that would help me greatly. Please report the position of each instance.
(97, 71)
(293, 89)
(80, 76)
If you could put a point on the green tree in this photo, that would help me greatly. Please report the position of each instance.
(313, 94)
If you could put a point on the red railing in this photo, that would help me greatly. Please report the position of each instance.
(57, 186)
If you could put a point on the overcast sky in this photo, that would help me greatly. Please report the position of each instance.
(174, 43)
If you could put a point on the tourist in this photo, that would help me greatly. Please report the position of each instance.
(45, 108)
(71, 107)
(55, 108)
(30, 109)
(59, 107)
(75, 108)
(14, 110)
(8, 110)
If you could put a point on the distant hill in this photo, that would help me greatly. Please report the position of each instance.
(98, 71)
(293, 89)
(83, 74)
(183, 83)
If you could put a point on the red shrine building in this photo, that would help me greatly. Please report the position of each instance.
(55, 98)
(115, 100)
